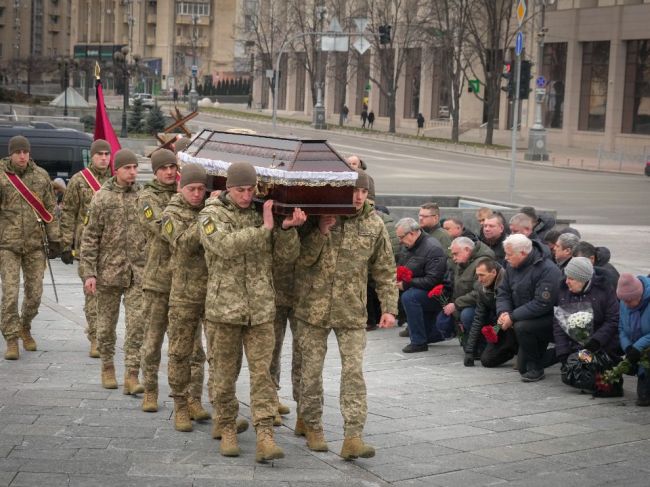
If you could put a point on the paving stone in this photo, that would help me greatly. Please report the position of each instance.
(125, 481)
(524, 469)
(29, 479)
(492, 440)
(561, 429)
(461, 478)
(6, 478)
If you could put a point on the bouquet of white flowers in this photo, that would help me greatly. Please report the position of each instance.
(576, 319)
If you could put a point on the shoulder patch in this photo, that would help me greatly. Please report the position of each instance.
(546, 295)
(209, 226)
(148, 212)
(86, 218)
(169, 227)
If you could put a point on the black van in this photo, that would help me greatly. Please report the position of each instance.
(60, 151)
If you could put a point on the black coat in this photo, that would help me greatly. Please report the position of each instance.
(606, 311)
(544, 224)
(486, 311)
(603, 265)
(427, 261)
(530, 290)
(497, 247)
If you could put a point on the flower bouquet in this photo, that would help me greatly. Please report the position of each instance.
(438, 292)
(404, 274)
(615, 374)
(491, 333)
(576, 319)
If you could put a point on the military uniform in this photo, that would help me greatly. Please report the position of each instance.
(240, 303)
(76, 203)
(112, 251)
(21, 246)
(334, 298)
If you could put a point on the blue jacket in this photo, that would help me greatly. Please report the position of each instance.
(624, 328)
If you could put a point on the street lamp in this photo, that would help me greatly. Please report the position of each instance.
(120, 58)
(318, 121)
(194, 96)
(65, 65)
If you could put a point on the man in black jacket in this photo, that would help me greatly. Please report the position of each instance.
(525, 301)
(424, 257)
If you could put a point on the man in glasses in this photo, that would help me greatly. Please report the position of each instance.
(429, 220)
(76, 202)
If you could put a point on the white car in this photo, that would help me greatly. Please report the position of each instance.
(147, 99)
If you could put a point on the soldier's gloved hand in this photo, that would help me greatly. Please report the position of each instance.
(54, 250)
(66, 257)
(469, 360)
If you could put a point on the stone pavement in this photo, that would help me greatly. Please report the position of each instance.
(433, 421)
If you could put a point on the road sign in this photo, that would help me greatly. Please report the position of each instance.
(519, 44)
(361, 45)
(361, 23)
(540, 82)
(474, 85)
(195, 70)
(335, 26)
(521, 11)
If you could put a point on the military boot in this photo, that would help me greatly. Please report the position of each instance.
(131, 384)
(12, 352)
(277, 420)
(93, 353)
(150, 401)
(197, 413)
(300, 429)
(316, 439)
(241, 423)
(354, 447)
(182, 421)
(108, 376)
(266, 447)
(229, 446)
(283, 409)
(29, 344)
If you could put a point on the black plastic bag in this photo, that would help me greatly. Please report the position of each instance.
(583, 374)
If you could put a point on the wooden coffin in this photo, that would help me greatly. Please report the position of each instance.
(294, 172)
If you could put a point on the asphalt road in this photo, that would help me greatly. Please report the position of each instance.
(588, 197)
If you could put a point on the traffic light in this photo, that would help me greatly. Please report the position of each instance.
(509, 74)
(384, 34)
(524, 80)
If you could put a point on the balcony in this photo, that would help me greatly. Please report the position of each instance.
(151, 40)
(151, 18)
(187, 20)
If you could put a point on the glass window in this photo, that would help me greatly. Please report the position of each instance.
(636, 94)
(554, 71)
(593, 86)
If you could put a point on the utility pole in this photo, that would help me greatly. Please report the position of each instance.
(318, 121)
(194, 96)
(519, 46)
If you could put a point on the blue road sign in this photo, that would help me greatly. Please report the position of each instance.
(519, 44)
(540, 82)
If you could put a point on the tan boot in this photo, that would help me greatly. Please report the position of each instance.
(229, 446)
(277, 420)
(354, 447)
(266, 447)
(12, 352)
(132, 385)
(28, 342)
(197, 413)
(283, 409)
(316, 439)
(93, 353)
(241, 423)
(108, 376)
(300, 429)
(182, 421)
(150, 401)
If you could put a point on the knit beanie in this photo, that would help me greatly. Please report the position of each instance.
(124, 157)
(363, 181)
(241, 174)
(100, 145)
(18, 142)
(161, 158)
(580, 269)
(182, 143)
(629, 288)
(192, 174)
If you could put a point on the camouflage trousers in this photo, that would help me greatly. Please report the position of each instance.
(90, 310)
(226, 345)
(352, 343)
(33, 267)
(186, 358)
(282, 315)
(209, 339)
(108, 312)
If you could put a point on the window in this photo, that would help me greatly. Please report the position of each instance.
(636, 93)
(554, 71)
(188, 8)
(593, 86)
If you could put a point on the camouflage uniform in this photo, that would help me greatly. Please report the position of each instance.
(112, 251)
(187, 298)
(21, 245)
(338, 265)
(240, 302)
(76, 202)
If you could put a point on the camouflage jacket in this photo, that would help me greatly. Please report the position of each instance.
(20, 230)
(189, 272)
(112, 246)
(339, 264)
(76, 202)
(240, 253)
(152, 200)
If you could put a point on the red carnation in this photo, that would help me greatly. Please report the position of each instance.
(436, 291)
(404, 274)
(491, 333)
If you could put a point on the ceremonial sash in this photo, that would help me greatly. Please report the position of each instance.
(91, 179)
(31, 199)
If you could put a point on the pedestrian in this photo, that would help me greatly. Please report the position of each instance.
(249, 102)
(76, 204)
(27, 207)
(364, 117)
(338, 255)
(371, 119)
(112, 263)
(345, 112)
(239, 244)
(175, 96)
(420, 121)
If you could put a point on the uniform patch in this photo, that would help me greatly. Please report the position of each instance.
(169, 227)
(86, 218)
(148, 212)
(546, 295)
(209, 227)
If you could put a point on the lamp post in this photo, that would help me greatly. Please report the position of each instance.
(318, 121)
(65, 65)
(194, 96)
(120, 58)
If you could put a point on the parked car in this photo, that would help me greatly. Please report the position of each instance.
(147, 99)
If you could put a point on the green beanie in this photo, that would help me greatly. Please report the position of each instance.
(100, 145)
(124, 157)
(241, 174)
(192, 174)
(161, 158)
(17, 143)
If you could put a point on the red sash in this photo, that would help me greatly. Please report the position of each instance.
(91, 180)
(31, 199)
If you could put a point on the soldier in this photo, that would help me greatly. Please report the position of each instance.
(76, 202)
(239, 245)
(27, 206)
(112, 261)
(339, 255)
